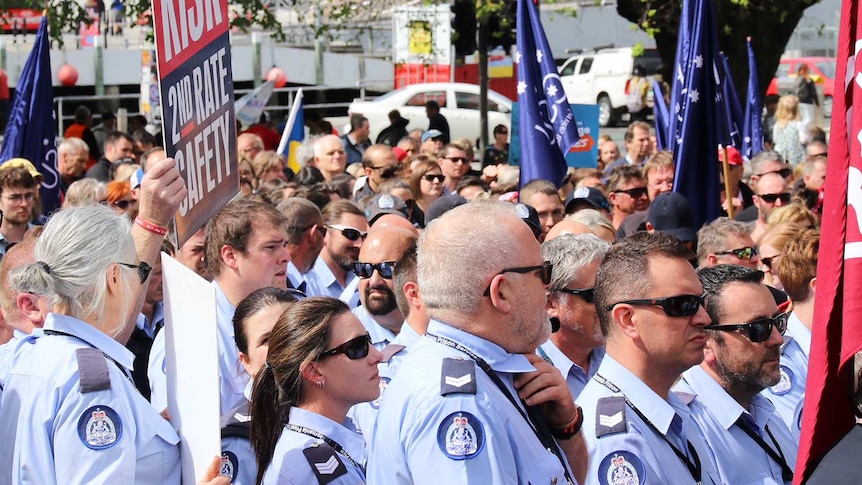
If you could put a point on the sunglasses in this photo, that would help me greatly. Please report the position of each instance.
(768, 261)
(143, 269)
(741, 253)
(758, 330)
(545, 271)
(434, 178)
(588, 294)
(634, 193)
(350, 233)
(457, 159)
(388, 171)
(366, 270)
(771, 198)
(122, 204)
(673, 306)
(784, 172)
(354, 349)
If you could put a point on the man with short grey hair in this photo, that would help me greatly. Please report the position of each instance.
(72, 156)
(576, 349)
(329, 156)
(726, 241)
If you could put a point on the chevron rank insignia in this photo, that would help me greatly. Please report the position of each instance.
(324, 463)
(610, 416)
(458, 377)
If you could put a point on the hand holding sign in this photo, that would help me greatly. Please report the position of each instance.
(162, 190)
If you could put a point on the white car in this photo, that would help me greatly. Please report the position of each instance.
(459, 103)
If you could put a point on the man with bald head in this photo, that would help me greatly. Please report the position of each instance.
(567, 227)
(379, 311)
(379, 163)
(248, 145)
(771, 191)
(393, 220)
(329, 156)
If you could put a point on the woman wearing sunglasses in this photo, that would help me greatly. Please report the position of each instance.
(120, 198)
(320, 363)
(426, 182)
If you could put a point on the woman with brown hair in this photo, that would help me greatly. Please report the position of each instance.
(426, 182)
(320, 363)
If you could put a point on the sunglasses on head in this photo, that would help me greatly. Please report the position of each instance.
(673, 306)
(747, 252)
(434, 178)
(143, 269)
(771, 198)
(636, 193)
(544, 270)
(350, 233)
(366, 270)
(588, 294)
(354, 349)
(758, 330)
(784, 172)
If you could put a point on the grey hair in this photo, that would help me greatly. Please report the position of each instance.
(71, 256)
(321, 142)
(72, 145)
(454, 266)
(761, 158)
(592, 219)
(712, 237)
(86, 191)
(305, 152)
(570, 253)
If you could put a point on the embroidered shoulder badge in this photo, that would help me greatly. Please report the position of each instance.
(229, 465)
(461, 436)
(785, 382)
(100, 428)
(324, 463)
(622, 468)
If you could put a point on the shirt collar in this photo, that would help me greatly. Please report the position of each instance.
(493, 354)
(293, 273)
(350, 440)
(406, 336)
(564, 364)
(323, 273)
(92, 336)
(799, 332)
(379, 333)
(724, 408)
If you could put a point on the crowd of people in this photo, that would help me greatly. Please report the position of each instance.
(390, 315)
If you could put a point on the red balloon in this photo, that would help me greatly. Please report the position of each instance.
(278, 76)
(68, 75)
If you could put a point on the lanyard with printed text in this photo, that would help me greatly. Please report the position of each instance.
(329, 441)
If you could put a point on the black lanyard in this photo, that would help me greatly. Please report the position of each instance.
(694, 468)
(329, 441)
(537, 423)
(119, 366)
(786, 472)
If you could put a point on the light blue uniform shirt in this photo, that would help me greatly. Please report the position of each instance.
(158, 319)
(739, 458)
(295, 278)
(575, 376)
(156, 373)
(788, 395)
(639, 453)
(290, 466)
(380, 335)
(421, 437)
(9, 352)
(54, 434)
(322, 282)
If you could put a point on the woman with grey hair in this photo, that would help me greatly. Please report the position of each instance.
(69, 411)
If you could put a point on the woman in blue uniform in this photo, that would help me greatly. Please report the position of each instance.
(320, 363)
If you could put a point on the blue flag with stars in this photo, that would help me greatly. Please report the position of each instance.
(31, 131)
(547, 127)
(752, 128)
(661, 116)
(698, 90)
(732, 108)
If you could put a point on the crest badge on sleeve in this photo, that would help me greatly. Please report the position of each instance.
(461, 436)
(100, 427)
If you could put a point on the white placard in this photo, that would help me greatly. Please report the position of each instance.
(191, 352)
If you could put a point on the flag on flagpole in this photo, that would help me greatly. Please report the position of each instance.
(697, 89)
(547, 127)
(31, 131)
(661, 116)
(752, 128)
(249, 107)
(294, 133)
(837, 332)
(732, 108)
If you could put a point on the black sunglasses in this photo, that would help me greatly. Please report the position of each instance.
(434, 178)
(366, 270)
(356, 348)
(768, 261)
(758, 330)
(457, 159)
(388, 171)
(545, 271)
(636, 193)
(122, 204)
(771, 198)
(673, 306)
(143, 269)
(747, 252)
(588, 294)
(350, 233)
(784, 172)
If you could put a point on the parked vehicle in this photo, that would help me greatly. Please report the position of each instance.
(822, 72)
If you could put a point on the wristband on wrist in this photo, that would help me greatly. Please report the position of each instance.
(161, 231)
(570, 429)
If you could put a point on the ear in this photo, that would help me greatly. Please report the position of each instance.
(28, 307)
(310, 371)
(246, 363)
(501, 295)
(709, 354)
(552, 306)
(626, 322)
(612, 199)
(411, 292)
(812, 286)
(229, 256)
(367, 171)
(112, 278)
(711, 260)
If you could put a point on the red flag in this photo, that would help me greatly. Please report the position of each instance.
(837, 332)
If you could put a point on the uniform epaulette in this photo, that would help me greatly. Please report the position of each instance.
(324, 463)
(610, 416)
(93, 370)
(458, 377)
(236, 430)
(390, 350)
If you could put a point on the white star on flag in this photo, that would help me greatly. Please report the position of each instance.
(539, 55)
(517, 57)
(698, 61)
(679, 74)
(694, 95)
(522, 87)
(552, 91)
(678, 108)
(747, 139)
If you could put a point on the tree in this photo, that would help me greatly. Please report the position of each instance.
(770, 24)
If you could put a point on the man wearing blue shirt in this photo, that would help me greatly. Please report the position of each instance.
(740, 360)
(471, 403)
(650, 306)
(305, 233)
(332, 273)
(577, 348)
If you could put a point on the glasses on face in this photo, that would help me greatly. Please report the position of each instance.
(545, 271)
(784, 172)
(388, 171)
(758, 330)
(768, 261)
(350, 233)
(818, 155)
(588, 294)
(747, 252)
(354, 349)
(18, 198)
(366, 270)
(635, 193)
(673, 306)
(771, 198)
(439, 178)
(122, 204)
(457, 159)
(143, 269)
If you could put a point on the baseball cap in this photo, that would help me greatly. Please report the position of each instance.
(431, 134)
(528, 214)
(22, 163)
(671, 213)
(733, 156)
(589, 195)
(442, 205)
(384, 204)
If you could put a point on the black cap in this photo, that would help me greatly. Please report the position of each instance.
(589, 195)
(442, 205)
(384, 204)
(528, 214)
(671, 213)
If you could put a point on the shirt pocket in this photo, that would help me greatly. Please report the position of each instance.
(159, 459)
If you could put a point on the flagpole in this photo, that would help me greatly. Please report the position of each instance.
(725, 165)
(291, 119)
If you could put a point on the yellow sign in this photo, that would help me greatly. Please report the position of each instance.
(420, 37)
